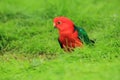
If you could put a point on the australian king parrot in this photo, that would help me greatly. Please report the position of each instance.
(70, 36)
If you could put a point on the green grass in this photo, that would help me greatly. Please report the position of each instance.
(28, 42)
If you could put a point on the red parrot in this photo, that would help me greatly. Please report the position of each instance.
(70, 36)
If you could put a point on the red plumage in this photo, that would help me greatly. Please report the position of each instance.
(68, 36)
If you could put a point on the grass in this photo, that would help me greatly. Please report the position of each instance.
(30, 51)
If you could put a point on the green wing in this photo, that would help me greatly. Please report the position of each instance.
(83, 35)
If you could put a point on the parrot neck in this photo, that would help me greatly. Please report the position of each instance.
(66, 32)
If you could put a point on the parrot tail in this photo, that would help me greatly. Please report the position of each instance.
(92, 42)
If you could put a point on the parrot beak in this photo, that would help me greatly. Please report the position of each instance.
(54, 25)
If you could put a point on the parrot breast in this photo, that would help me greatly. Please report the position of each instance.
(70, 41)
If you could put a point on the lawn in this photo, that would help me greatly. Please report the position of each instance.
(29, 49)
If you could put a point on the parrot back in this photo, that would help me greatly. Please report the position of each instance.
(83, 36)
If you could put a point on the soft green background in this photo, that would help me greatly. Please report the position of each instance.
(30, 51)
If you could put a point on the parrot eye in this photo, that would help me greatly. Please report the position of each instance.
(58, 22)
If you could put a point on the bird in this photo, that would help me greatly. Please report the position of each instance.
(70, 35)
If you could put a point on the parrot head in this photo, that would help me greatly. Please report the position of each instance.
(63, 24)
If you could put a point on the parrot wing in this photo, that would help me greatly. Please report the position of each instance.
(60, 43)
(83, 35)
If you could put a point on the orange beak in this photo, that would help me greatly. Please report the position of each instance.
(54, 25)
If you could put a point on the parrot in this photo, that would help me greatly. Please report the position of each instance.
(70, 35)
